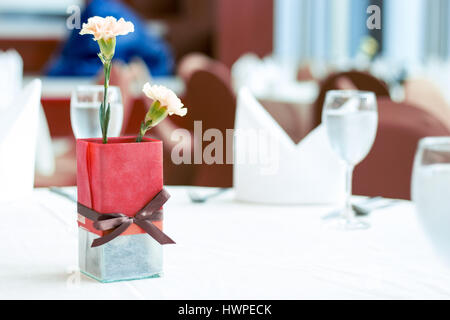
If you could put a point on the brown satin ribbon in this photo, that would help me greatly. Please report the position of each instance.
(120, 222)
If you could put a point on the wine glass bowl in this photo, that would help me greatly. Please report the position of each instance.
(84, 111)
(351, 120)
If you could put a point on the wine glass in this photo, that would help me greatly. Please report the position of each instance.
(430, 191)
(84, 111)
(351, 121)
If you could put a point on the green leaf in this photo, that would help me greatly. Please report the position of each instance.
(101, 57)
(107, 117)
(101, 114)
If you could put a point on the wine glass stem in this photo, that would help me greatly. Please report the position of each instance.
(348, 212)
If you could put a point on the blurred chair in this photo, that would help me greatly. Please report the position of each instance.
(196, 61)
(351, 80)
(387, 169)
(426, 95)
(191, 63)
(209, 99)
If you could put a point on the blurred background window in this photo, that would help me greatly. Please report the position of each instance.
(27, 18)
(417, 30)
(412, 31)
(327, 30)
(49, 7)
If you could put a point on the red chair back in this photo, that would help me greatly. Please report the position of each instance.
(387, 169)
(211, 100)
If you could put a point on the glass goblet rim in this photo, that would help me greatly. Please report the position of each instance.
(93, 88)
(434, 141)
(350, 93)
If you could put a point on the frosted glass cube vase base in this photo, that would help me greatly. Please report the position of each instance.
(128, 257)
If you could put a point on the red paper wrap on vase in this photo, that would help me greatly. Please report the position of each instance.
(121, 176)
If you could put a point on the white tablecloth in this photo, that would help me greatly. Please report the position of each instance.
(226, 249)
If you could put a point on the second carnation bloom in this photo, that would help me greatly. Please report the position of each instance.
(165, 102)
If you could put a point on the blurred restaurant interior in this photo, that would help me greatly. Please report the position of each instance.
(301, 119)
(288, 53)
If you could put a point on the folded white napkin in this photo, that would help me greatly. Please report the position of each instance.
(11, 79)
(272, 169)
(11, 66)
(45, 155)
(18, 130)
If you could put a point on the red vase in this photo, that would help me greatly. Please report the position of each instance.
(121, 176)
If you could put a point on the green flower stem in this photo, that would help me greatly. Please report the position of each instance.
(105, 108)
(145, 126)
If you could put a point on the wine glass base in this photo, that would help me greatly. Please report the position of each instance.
(344, 224)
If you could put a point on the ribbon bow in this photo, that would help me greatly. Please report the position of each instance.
(120, 222)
